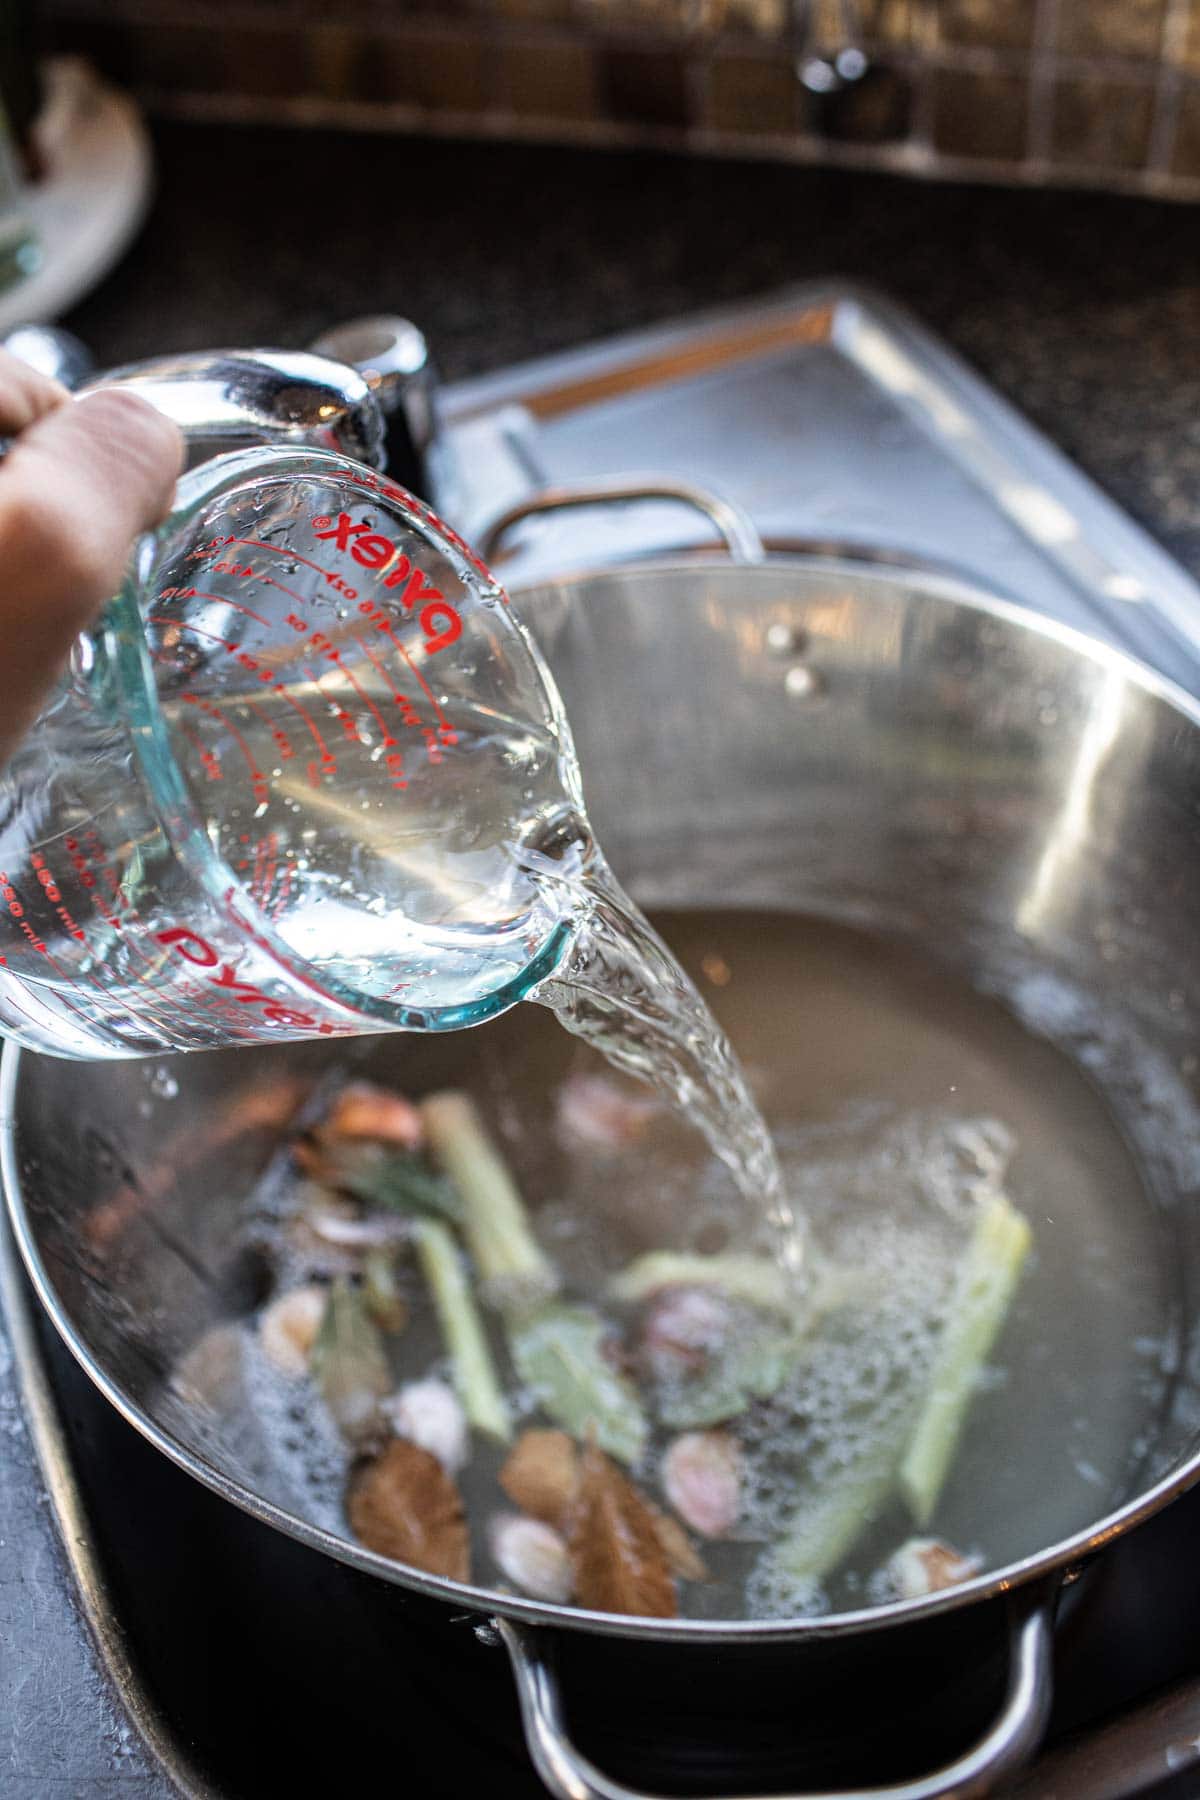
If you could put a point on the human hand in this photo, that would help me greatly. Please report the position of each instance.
(81, 480)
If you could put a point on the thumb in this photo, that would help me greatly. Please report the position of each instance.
(76, 489)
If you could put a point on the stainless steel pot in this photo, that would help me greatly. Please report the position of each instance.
(876, 747)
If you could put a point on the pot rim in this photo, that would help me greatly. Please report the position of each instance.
(487, 1602)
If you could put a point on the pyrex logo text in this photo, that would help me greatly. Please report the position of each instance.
(439, 620)
(199, 952)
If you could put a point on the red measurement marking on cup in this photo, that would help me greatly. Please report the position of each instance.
(328, 760)
(210, 759)
(48, 881)
(88, 860)
(278, 550)
(346, 720)
(17, 910)
(447, 734)
(88, 857)
(394, 756)
(408, 711)
(388, 739)
(187, 625)
(380, 620)
(191, 593)
(284, 747)
(285, 888)
(258, 781)
(323, 646)
(265, 864)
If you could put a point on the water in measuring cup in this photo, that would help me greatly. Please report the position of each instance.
(310, 777)
(404, 806)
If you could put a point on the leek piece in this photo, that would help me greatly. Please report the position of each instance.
(514, 1269)
(462, 1329)
(983, 1290)
(750, 1278)
(558, 1353)
(828, 1524)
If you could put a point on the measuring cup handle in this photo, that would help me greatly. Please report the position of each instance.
(226, 398)
(735, 526)
(1011, 1737)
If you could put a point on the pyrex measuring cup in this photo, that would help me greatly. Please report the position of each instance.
(307, 776)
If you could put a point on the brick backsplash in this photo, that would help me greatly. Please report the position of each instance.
(1081, 92)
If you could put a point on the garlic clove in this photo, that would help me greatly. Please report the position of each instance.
(594, 1110)
(681, 1330)
(287, 1328)
(926, 1565)
(701, 1478)
(429, 1413)
(532, 1555)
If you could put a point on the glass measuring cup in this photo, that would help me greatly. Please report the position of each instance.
(306, 777)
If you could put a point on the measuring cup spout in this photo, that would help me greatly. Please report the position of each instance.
(227, 399)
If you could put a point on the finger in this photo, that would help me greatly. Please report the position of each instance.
(25, 395)
(76, 489)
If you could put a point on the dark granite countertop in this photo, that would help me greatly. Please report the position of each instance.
(1083, 309)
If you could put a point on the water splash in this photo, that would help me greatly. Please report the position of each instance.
(621, 990)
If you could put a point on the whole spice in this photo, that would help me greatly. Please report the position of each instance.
(288, 1327)
(404, 1505)
(540, 1474)
(681, 1330)
(429, 1413)
(701, 1478)
(926, 1565)
(532, 1555)
(593, 1110)
(685, 1560)
(617, 1559)
(364, 1111)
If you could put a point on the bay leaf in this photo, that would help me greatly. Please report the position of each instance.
(617, 1557)
(404, 1505)
(682, 1555)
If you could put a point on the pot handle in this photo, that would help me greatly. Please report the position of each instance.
(734, 524)
(568, 1774)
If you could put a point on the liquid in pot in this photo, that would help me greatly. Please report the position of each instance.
(897, 1097)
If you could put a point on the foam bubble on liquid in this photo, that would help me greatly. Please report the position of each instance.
(896, 1214)
(306, 1455)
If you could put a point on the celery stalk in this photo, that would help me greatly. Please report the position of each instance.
(828, 1524)
(462, 1329)
(985, 1285)
(511, 1264)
